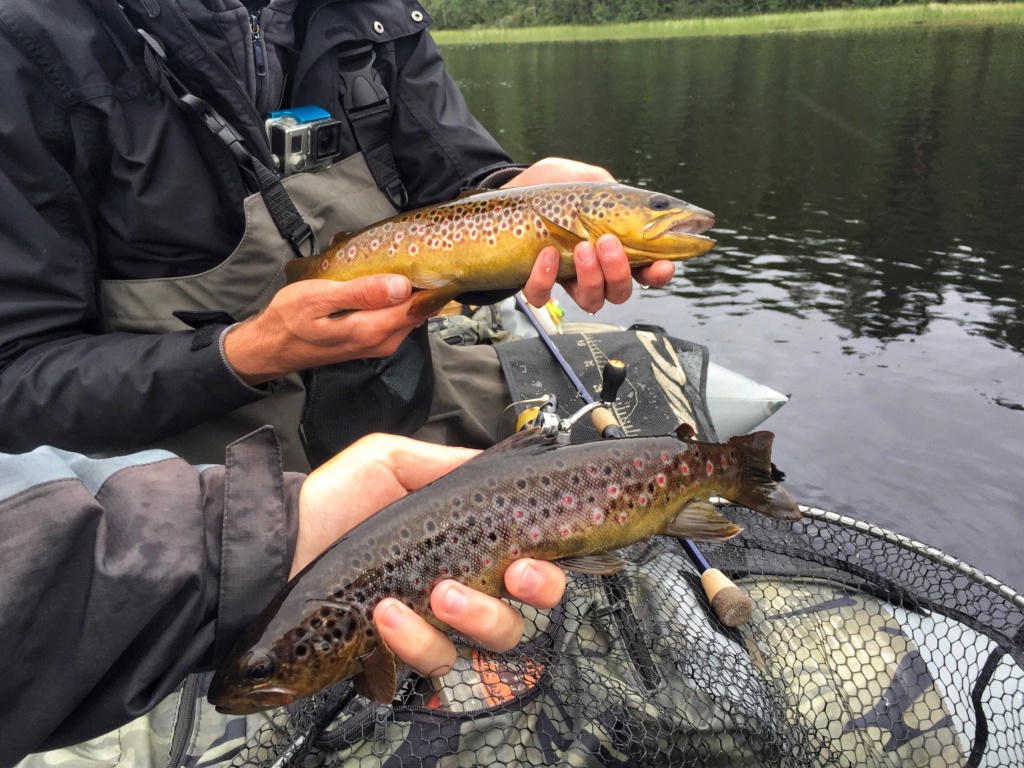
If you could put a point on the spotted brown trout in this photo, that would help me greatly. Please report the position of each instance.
(524, 497)
(486, 241)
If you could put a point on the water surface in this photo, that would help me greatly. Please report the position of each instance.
(869, 189)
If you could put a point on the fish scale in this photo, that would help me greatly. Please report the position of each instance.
(522, 498)
(490, 240)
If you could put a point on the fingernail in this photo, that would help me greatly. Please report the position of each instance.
(392, 617)
(454, 600)
(549, 258)
(529, 582)
(398, 288)
(607, 248)
(586, 256)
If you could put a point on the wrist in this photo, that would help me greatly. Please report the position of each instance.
(249, 351)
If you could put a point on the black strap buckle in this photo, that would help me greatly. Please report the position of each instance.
(361, 88)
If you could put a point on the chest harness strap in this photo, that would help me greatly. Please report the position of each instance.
(286, 218)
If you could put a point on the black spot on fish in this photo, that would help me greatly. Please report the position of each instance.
(532, 501)
(545, 480)
(456, 502)
(478, 498)
(520, 483)
(471, 521)
(560, 464)
(491, 482)
(395, 549)
(300, 651)
(492, 536)
(431, 526)
(404, 533)
(456, 514)
(499, 501)
(607, 470)
(546, 513)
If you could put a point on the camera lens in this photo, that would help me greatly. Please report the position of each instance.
(326, 140)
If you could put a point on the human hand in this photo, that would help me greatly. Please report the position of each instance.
(369, 475)
(296, 330)
(602, 269)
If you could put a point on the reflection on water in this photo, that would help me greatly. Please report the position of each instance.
(870, 198)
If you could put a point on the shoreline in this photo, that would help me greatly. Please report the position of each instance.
(931, 15)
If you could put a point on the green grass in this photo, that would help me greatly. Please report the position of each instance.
(931, 15)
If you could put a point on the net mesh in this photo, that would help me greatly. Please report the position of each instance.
(864, 649)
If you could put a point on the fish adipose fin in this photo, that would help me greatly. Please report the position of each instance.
(755, 488)
(600, 563)
(700, 521)
(379, 677)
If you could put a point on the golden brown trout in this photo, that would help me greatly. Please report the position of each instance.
(524, 497)
(489, 240)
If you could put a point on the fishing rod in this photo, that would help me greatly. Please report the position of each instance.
(731, 604)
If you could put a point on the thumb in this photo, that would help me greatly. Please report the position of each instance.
(371, 292)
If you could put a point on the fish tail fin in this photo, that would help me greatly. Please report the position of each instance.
(755, 488)
(301, 268)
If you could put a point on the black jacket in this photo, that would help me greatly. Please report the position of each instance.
(121, 576)
(102, 176)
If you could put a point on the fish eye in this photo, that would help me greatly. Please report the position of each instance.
(659, 203)
(259, 669)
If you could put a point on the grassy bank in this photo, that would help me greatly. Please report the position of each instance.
(932, 15)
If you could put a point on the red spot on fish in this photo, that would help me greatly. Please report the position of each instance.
(534, 534)
(592, 470)
(399, 236)
(643, 501)
(487, 561)
(613, 490)
(375, 244)
(457, 235)
(660, 479)
(638, 463)
(564, 532)
(519, 514)
(519, 231)
(325, 264)
(664, 458)
(724, 463)
(598, 516)
(622, 517)
(444, 570)
(514, 551)
(685, 469)
(413, 248)
(569, 500)
(709, 467)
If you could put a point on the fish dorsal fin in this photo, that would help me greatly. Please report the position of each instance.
(424, 277)
(339, 238)
(529, 442)
(599, 563)
(471, 192)
(700, 521)
(559, 234)
(379, 677)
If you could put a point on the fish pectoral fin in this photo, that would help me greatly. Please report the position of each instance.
(560, 234)
(599, 563)
(379, 677)
(700, 521)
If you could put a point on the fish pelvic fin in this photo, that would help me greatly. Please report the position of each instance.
(379, 677)
(755, 488)
(426, 303)
(700, 521)
(599, 563)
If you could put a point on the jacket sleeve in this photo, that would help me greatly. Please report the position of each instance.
(61, 379)
(121, 576)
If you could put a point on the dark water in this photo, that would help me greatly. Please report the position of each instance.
(870, 197)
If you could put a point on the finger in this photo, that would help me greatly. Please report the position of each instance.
(542, 277)
(588, 290)
(537, 582)
(415, 463)
(618, 279)
(655, 275)
(486, 620)
(418, 644)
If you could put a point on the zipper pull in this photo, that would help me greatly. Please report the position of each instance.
(258, 54)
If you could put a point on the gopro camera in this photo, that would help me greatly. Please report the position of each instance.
(303, 139)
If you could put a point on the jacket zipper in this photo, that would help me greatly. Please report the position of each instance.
(184, 722)
(223, 67)
(259, 54)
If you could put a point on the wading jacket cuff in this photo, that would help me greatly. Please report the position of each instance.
(259, 528)
(494, 179)
(262, 390)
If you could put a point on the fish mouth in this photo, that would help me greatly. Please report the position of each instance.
(255, 701)
(691, 223)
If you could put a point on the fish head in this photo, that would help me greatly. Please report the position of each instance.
(279, 659)
(650, 225)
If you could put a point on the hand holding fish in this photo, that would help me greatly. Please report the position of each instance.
(602, 268)
(298, 329)
(375, 472)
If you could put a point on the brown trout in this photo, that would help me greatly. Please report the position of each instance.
(522, 498)
(489, 240)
